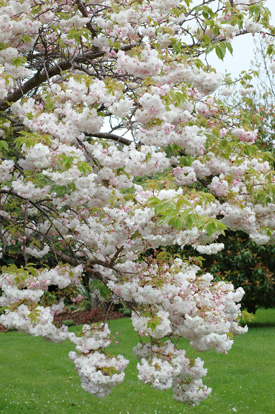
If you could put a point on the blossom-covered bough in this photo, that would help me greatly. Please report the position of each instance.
(111, 147)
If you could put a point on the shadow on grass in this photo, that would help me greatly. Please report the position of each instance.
(256, 324)
(264, 318)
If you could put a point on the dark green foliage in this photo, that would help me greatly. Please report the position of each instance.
(242, 262)
(68, 322)
(248, 265)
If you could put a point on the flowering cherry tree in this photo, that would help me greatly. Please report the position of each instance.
(112, 145)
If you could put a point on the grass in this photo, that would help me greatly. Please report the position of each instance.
(37, 377)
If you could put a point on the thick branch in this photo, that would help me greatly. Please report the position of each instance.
(84, 13)
(113, 137)
(38, 79)
(90, 272)
(57, 69)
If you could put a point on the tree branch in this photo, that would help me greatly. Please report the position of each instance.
(42, 76)
(114, 137)
(84, 13)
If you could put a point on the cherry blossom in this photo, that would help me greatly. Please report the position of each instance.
(113, 147)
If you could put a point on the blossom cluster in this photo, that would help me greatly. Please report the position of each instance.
(111, 148)
(165, 367)
(179, 303)
(98, 371)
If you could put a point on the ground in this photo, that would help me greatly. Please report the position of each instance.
(80, 317)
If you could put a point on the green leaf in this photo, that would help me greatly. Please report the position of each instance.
(109, 371)
(229, 47)
(220, 50)
(176, 45)
(117, 45)
(4, 145)
(17, 61)
(153, 323)
(66, 161)
(210, 229)
(209, 48)
(161, 208)
(104, 291)
(74, 34)
(84, 167)
(177, 223)
(162, 256)
(270, 50)
(205, 39)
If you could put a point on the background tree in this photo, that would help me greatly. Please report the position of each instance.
(242, 261)
(107, 126)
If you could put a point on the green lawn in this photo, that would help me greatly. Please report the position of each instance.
(37, 377)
